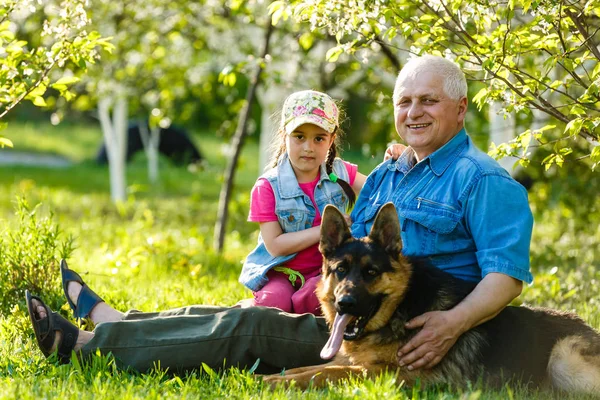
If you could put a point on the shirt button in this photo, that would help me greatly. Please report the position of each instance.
(291, 218)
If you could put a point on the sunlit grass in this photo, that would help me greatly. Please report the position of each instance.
(155, 251)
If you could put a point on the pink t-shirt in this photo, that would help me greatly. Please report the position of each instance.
(262, 209)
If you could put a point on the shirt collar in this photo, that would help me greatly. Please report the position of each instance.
(438, 161)
(441, 159)
(405, 162)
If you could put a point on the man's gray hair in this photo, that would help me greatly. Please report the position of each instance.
(455, 83)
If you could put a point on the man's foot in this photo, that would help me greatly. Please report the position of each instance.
(40, 314)
(101, 312)
(84, 301)
(53, 332)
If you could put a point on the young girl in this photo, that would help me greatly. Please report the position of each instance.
(287, 201)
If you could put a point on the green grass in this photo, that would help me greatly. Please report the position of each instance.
(155, 251)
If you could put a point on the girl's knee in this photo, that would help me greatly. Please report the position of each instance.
(305, 301)
(274, 296)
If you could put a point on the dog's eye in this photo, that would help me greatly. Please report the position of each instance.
(372, 272)
(340, 269)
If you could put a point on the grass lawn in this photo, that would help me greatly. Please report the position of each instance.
(155, 251)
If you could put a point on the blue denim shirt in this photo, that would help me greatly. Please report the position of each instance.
(295, 211)
(458, 209)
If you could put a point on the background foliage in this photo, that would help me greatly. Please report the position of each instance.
(60, 48)
(532, 56)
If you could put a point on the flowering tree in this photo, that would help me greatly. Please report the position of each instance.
(154, 48)
(530, 56)
(28, 70)
(163, 52)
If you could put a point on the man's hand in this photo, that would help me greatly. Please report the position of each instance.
(440, 330)
(394, 151)
(347, 218)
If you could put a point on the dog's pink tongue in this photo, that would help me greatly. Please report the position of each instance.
(337, 335)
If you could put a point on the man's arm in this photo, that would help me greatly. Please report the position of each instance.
(498, 216)
(358, 212)
(441, 329)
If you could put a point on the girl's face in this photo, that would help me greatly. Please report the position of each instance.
(307, 149)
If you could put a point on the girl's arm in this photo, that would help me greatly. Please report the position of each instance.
(282, 244)
(359, 181)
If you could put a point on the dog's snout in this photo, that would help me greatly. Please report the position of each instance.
(346, 303)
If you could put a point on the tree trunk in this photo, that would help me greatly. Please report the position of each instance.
(114, 131)
(237, 143)
(151, 141)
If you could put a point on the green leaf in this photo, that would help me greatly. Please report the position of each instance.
(210, 372)
(578, 110)
(66, 80)
(596, 71)
(595, 154)
(4, 142)
(574, 127)
(334, 53)
(276, 9)
(479, 98)
(254, 366)
(306, 40)
(39, 101)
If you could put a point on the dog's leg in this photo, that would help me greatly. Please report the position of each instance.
(574, 364)
(318, 376)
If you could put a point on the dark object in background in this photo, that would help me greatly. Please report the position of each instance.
(525, 179)
(174, 143)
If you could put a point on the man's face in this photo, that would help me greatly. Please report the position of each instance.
(426, 118)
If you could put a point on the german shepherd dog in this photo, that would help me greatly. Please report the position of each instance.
(369, 290)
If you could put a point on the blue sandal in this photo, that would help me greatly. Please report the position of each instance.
(45, 330)
(87, 298)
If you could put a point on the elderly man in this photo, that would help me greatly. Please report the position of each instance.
(458, 208)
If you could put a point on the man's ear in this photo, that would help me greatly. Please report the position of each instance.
(462, 109)
(386, 230)
(334, 230)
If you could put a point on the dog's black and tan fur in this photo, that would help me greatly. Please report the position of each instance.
(370, 280)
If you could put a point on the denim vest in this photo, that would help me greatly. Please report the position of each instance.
(295, 212)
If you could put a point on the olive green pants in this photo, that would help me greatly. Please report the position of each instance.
(184, 338)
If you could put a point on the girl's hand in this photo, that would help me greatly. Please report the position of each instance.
(394, 151)
(348, 219)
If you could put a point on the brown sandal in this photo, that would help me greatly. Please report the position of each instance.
(45, 330)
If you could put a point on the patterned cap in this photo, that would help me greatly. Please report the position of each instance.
(309, 107)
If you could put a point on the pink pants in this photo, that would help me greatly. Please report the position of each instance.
(280, 293)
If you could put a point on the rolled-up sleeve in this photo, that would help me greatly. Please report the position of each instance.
(359, 228)
(498, 216)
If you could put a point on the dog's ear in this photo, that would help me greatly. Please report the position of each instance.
(334, 230)
(386, 229)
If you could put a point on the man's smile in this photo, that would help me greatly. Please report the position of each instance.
(418, 126)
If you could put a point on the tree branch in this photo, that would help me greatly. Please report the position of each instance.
(31, 89)
(388, 53)
(593, 47)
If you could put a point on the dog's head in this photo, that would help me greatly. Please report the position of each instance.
(363, 279)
